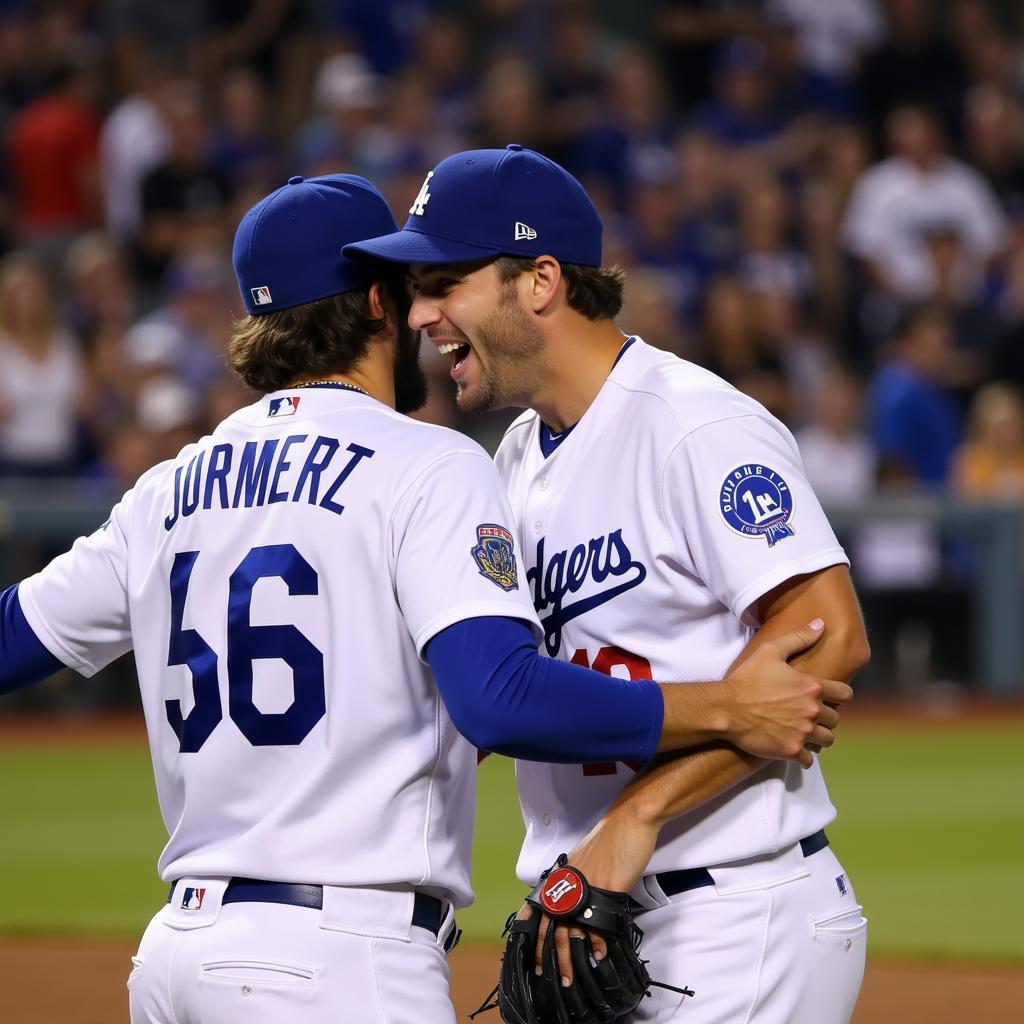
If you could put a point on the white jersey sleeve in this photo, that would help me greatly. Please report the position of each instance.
(453, 549)
(741, 512)
(78, 605)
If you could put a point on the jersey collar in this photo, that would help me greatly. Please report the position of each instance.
(547, 438)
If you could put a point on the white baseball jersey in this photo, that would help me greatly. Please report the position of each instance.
(648, 536)
(278, 582)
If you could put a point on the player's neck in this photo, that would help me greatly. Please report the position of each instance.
(579, 365)
(377, 382)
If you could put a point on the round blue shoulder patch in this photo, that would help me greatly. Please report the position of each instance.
(756, 502)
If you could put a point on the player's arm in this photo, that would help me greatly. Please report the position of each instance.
(505, 697)
(73, 613)
(615, 854)
(23, 658)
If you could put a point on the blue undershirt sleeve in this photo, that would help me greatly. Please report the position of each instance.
(507, 698)
(23, 658)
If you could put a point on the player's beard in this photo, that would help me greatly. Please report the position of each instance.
(510, 351)
(410, 380)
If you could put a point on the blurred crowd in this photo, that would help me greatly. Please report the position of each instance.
(820, 200)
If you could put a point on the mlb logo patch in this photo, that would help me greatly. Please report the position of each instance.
(192, 899)
(261, 295)
(284, 406)
(842, 885)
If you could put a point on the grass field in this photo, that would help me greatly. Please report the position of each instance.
(931, 830)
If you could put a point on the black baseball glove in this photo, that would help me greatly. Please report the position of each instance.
(601, 991)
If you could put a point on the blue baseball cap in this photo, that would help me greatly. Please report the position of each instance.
(287, 249)
(489, 202)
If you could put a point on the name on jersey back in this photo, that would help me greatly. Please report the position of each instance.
(293, 468)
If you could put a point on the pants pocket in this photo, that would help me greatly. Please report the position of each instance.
(261, 972)
(846, 929)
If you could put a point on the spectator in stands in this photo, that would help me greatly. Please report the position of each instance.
(690, 33)
(744, 115)
(407, 141)
(732, 348)
(134, 139)
(994, 145)
(831, 36)
(349, 98)
(990, 462)
(578, 54)
(651, 307)
(183, 198)
(635, 132)
(784, 332)
(442, 58)
(800, 87)
(384, 31)
(243, 149)
(52, 150)
(187, 335)
(768, 259)
(708, 231)
(510, 106)
(900, 203)
(915, 422)
(101, 289)
(41, 376)
(830, 179)
(989, 47)
(914, 64)
(838, 455)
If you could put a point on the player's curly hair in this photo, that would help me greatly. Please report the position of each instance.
(594, 292)
(327, 336)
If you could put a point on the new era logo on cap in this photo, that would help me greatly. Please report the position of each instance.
(261, 295)
(524, 231)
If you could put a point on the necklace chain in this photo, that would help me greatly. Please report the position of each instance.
(333, 383)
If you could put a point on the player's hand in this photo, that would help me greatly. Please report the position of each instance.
(613, 855)
(776, 710)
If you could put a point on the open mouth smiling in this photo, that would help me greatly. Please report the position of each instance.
(461, 351)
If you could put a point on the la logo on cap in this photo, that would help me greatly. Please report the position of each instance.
(419, 204)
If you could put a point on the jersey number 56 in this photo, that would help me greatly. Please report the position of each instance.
(246, 642)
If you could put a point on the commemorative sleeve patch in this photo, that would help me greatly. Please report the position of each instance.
(494, 554)
(755, 501)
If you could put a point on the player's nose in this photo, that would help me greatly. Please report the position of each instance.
(423, 312)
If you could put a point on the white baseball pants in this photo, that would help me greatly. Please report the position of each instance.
(358, 959)
(776, 940)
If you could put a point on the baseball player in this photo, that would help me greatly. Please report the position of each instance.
(668, 532)
(283, 583)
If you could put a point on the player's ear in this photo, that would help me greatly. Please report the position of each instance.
(376, 301)
(545, 278)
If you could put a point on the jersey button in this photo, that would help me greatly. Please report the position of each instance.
(544, 484)
(545, 819)
(538, 526)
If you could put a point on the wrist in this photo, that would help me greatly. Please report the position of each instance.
(696, 713)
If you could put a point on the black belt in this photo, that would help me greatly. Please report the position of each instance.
(427, 911)
(672, 883)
